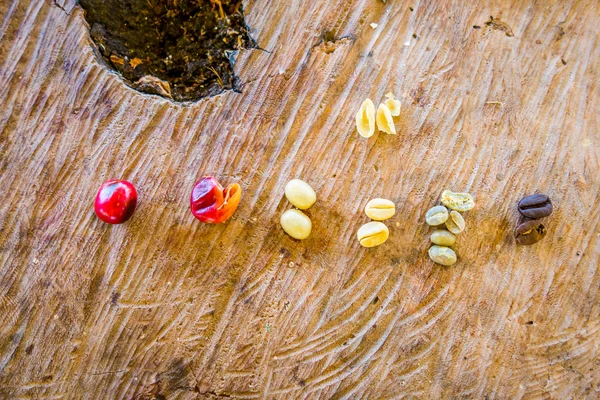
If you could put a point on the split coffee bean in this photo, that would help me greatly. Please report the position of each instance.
(535, 206)
(530, 232)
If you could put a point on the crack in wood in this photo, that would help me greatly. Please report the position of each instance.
(55, 2)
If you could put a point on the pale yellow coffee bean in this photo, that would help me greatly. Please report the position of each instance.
(380, 209)
(442, 255)
(436, 215)
(365, 119)
(443, 238)
(384, 119)
(455, 222)
(458, 201)
(296, 224)
(393, 104)
(373, 234)
(300, 194)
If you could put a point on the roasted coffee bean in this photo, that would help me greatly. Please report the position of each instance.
(535, 206)
(530, 232)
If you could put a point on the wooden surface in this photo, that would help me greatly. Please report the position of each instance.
(167, 307)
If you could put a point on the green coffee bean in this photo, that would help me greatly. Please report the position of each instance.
(458, 201)
(442, 255)
(436, 215)
(455, 223)
(442, 238)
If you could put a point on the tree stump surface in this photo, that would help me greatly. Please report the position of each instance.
(167, 307)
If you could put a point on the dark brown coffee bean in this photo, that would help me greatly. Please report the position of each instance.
(535, 206)
(530, 232)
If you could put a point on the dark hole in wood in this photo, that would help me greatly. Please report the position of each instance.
(180, 49)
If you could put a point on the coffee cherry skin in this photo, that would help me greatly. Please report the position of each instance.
(115, 201)
(212, 204)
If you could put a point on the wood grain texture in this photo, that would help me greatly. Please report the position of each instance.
(167, 306)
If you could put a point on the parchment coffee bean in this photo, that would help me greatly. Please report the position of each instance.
(296, 224)
(535, 206)
(530, 232)
(300, 194)
(442, 255)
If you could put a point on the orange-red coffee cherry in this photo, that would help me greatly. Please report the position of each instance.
(211, 203)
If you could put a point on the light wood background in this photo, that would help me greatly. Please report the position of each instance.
(167, 307)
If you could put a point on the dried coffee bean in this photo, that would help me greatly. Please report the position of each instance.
(535, 206)
(380, 209)
(373, 234)
(530, 232)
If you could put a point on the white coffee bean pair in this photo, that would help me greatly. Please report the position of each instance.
(294, 222)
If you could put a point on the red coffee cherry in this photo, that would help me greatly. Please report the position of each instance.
(115, 201)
